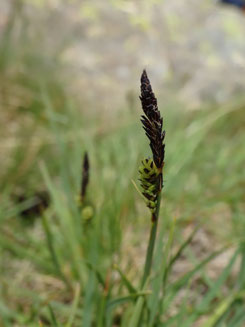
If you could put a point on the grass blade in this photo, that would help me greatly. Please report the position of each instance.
(54, 257)
(204, 305)
(222, 308)
(121, 300)
(179, 252)
(74, 306)
(52, 315)
(125, 281)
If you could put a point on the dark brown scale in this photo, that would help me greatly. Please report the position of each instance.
(149, 180)
(148, 196)
(152, 174)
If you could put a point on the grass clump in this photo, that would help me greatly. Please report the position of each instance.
(66, 270)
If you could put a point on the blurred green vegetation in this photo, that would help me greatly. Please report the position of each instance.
(65, 271)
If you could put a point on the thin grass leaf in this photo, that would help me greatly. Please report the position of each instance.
(27, 254)
(239, 318)
(138, 190)
(173, 289)
(52, 316)
(112, 304)
(97, 273)
(52, 251)
(125, 280)
(219, 312)
(222, 308)
(68, 228)
(180, 251)
(241, 276)
(137, 312)
(74, 307)
(184, 279)
(89, 301)
(102, 311)
(217, 285)
(212, 293)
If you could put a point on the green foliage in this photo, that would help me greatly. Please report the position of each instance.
(75, 253)
(83, 266)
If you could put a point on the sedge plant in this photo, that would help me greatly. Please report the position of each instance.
(87, 210)
(151, 177)
(151, 169)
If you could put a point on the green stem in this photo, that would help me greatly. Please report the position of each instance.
(151, 243)
(137, 316)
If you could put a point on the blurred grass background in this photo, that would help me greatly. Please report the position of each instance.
(69, 73)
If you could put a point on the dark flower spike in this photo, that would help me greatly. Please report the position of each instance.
(85, 177)
(150, 178)
(151, 169)
(152, 121)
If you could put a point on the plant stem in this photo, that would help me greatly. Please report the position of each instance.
(151, 243)
(137, 317)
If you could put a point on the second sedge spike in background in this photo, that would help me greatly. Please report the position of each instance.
(87, 208)
(85, 177)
